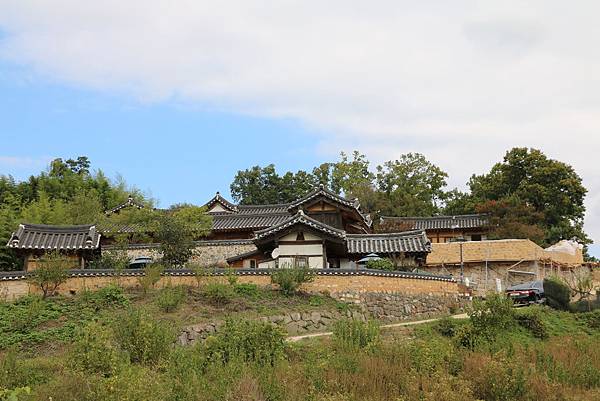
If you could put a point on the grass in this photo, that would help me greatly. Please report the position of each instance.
(249, 361)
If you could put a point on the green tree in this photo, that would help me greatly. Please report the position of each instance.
(550, 187)
(262, 185)
(412, 185)
(176, 231)
(512, 218)
(51, 273)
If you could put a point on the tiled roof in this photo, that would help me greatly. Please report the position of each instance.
(234, 221)
(440, 222)
(411, 241)
(322, 191)
(38, 236)
(263, 209)
(221, 201)
(301, 218)
(130, 202)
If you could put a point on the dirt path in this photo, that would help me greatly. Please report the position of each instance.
(383, 326)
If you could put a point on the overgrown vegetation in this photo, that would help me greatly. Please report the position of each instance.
(52, 271)
(290, 279)
(381, 264)
(121, 346)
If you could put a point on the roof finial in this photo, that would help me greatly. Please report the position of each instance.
(218, 193)
(301, 212)
(321, 186)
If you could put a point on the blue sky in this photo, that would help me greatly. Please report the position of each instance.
(178, 98)
(174, 151)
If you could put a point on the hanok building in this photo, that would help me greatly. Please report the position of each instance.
(441, 229)
(78, 244)
(319, 230)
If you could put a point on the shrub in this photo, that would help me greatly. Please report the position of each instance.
(107, 297)
(316, 300)
(531, 319)
(14, 394)
(93, 351)
(290, 279)
(446, 326)
(201, 273)
(496, 379)
(248, 290)
(381, 264)
(26, 314)
(118, 261)
(591, 319)
(356, 334)
(170, 298)
(492, 316)
(51, 272)
(466, 336)
(218, 294)
(152, 273)
(557, 293)
(145, 339)
(232, 278)
(246, 341)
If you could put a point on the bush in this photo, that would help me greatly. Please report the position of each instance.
(531, 319)
(591, 319)
(492, 316)
(290, 279)
(107, 297)
(246, 341)
(558, 294)
(93, 351)
(356, 334)
(152, 273)
(248, 290)
(51, 272)
(219, 294)
(381, 264)
(145, 339)
(446, 326)
(170, 298)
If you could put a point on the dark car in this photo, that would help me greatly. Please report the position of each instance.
(140, 262)
(528, 293)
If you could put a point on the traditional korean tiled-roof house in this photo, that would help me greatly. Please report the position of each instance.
(320, 230)
(77, 243)
(440, 229)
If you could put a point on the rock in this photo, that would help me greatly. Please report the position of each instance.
(182, 339)
(295, 316)
(315, 317)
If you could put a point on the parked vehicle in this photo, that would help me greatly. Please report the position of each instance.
(140, 262)
(528, 293)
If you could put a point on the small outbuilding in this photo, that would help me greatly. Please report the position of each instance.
(79, 243)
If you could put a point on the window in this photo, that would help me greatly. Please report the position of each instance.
(253, 263)
(476, 237)
(301, 262)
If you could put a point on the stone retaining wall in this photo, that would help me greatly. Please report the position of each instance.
(391, 307)
(293, 323)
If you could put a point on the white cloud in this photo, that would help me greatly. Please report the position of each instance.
(461, 81)
(24, 162)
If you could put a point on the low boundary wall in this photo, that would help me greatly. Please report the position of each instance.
(342, 284)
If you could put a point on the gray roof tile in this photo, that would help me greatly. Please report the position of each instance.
(440, 222)
(39, 236)
(411, 241)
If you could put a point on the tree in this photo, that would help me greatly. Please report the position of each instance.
(550, 187)
(512, 218)
(262, 185)
(349, 176)
(412, 185)
(176, 231)
(52, 271)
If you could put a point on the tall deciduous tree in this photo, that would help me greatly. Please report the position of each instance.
(550, 187)
(412, 185)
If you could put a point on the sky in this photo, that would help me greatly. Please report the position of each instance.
(177, 96)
